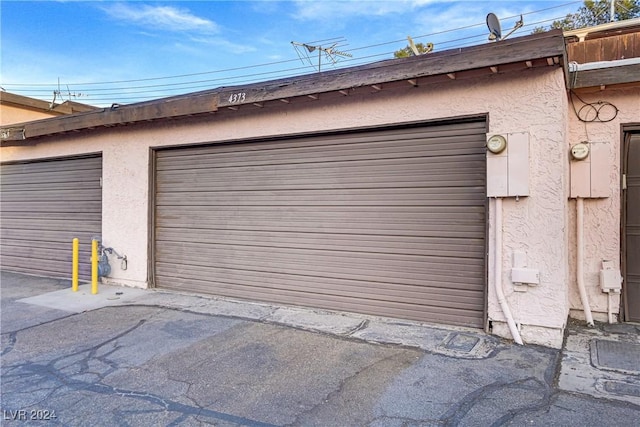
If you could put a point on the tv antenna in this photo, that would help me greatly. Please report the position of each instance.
(59, 93)
(495, 33)
(330, 50)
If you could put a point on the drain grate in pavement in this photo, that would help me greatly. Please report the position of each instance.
(615, 355)
(621, 328)
(460, 342)
(619, 387)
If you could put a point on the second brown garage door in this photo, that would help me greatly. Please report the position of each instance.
(45, 204)
(386, 222)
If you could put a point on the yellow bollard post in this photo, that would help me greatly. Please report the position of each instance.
(94, 267)
(74, 265)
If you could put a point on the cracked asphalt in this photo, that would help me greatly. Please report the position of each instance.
(154, 365)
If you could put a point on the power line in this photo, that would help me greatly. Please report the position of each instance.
(125, 91)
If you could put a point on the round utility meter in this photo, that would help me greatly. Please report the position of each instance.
(496, 144)
(580, 151)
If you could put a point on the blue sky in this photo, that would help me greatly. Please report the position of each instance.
(102, 52)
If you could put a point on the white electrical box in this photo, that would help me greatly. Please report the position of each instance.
(590, 170)
(610, 278)
(508, 168)
(528, 276)
(521, 276)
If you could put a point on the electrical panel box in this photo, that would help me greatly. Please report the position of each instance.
(521, 276)
(508, 170)
(610, 278)
(590, 173)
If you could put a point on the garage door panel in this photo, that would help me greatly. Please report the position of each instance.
(366, 167)
(47, 196)
(350, 288)
(53, 167)
(468, 213)
(469, 129)
(50, 224)
(411, 244)
(60, 177)
(274, 294)
(343, 303)
(381, 222)
(315, 284)
(58, 237)
(445, 135)
(345, 228)
(319, 197)
(257, 183)
(70, 207)
(42, 251)
(49, 186)
(201, 218)
(357, 266)
(258, 159)
(45, 204)
(302, 151)
(44, 267)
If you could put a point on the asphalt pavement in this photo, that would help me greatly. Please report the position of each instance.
(130, 357)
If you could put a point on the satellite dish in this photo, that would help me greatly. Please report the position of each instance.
(495, 33)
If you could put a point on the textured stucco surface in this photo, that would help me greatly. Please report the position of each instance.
(532, 101)
(10, 114)
(601, 216)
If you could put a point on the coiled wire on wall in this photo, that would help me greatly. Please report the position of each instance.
(593, 112)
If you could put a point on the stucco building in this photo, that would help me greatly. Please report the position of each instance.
(366, 189)
(16, 108)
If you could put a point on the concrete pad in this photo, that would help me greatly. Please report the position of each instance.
(583, 370)
(451, 341)
(83, 300)
(316, 320)
(204, 304)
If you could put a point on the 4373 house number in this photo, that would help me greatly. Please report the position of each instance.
(235, 98)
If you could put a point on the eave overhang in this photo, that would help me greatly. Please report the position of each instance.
(537, 50)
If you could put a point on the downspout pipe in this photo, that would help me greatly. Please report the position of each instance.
(498, 275)
(580, 260)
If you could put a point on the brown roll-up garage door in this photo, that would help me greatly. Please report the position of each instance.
(386, 222)
(45, 204)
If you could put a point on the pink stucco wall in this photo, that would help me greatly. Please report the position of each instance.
(601, 215)
(532, 101)
(10, 114)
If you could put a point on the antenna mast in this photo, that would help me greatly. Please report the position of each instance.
(330, 52)
(612, 17)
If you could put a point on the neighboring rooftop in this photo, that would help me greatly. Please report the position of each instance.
(604, 55)
(16, 108)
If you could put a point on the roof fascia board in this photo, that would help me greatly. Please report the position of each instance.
(605, 74)
(520, 49)
(509, 51)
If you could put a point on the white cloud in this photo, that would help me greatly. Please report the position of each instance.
(165, 18)
(336, 9)
(236, 48)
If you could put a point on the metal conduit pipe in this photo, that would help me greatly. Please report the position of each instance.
(580, 260)
(498, 275)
